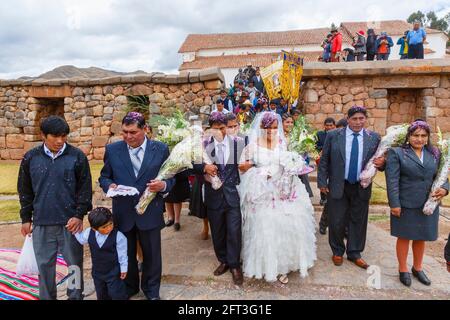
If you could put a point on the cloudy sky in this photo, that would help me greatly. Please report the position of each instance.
(126, 35)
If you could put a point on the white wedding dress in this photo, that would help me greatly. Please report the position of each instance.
(278, 225)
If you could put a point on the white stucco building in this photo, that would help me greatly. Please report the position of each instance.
(231, 51)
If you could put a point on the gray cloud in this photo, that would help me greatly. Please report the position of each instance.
(126, 35)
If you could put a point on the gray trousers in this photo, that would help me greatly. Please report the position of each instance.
(48, 241)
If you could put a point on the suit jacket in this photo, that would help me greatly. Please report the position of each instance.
(229, 174)
(332, 163)
(321, 136)
(258, 84)
(119, 170)
(408, 180)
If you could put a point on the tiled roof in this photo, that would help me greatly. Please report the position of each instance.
(195, 42)
(240, 61)
(392, 27)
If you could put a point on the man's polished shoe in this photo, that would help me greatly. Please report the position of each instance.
(405, 278)
(338, 260)
(238, 277)
(360, 263)
(221, 269)
(323, 230)
(421, 276)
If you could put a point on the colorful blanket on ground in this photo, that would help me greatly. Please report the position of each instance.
(14, 287)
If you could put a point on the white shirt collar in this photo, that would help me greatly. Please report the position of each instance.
(143, 145)
(350, 132)
(224, 141)
(51, 155)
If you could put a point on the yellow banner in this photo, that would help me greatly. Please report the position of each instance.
(291, 76)
(272, 78)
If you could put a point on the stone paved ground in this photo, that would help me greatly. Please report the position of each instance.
(188, 263)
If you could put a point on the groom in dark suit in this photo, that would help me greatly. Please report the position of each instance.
(345, 154)
(135, 162)
(223, 205)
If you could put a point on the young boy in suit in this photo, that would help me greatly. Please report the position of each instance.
(109, 255)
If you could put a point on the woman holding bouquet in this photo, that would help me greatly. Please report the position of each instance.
(278, 228)
(410, 172)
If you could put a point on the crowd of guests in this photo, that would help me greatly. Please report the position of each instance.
(246, 98)
(55, 192)
(373, 46)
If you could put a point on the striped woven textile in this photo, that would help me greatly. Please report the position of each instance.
(13, 287)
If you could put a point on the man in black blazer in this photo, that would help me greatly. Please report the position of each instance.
(223, 205)
(258, 81)
(329, 124)
(135, 162)
(345, 154)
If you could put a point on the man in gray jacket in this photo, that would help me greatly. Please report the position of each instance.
(345, 154)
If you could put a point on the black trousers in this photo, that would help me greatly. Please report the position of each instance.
(351, 211)
(415, 51)
(226, 234)
(370, 57)
(109, 286)
(324, 217)
(305, 179)
(150, 241)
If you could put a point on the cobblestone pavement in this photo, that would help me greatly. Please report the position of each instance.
(188, 263)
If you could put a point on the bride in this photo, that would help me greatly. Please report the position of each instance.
(278, 228)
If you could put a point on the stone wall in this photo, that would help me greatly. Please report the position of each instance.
(94, 108)
(394, 92)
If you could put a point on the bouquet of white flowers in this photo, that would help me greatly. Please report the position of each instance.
(172, 130)
(395, 136)
(293, 165)
(302, 139)
(184, 154)
(442, 175)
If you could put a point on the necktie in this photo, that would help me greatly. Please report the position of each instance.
(220, 155)
(136, 160)
(354, 155)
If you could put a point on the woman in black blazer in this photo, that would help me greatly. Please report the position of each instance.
(410, 172)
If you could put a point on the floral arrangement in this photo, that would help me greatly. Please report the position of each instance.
(182, 157)
(245, 128)
(395, 137)
(442, 175)
(293, 165)
(172, 130)
(303, 139)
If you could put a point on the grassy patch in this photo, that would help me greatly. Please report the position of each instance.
(9, 210)
(378, 217)
(95, 172)
(9, 173)
(8, 182)
(379, 194)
